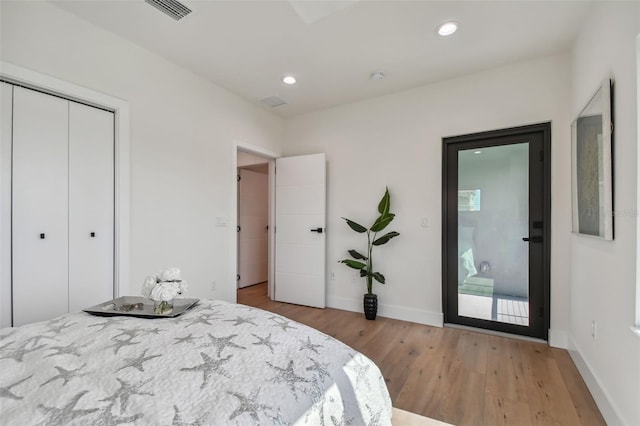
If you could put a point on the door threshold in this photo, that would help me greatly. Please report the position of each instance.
(495, 333)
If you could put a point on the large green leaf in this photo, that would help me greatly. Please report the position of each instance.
(378, 277)
(355, 226)
(385, 238)
(382, 222)
(357, 255)
(385, 203)
(353, 263)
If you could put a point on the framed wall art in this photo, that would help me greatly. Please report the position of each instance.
(592, 166)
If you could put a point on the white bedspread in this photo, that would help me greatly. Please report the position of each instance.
(220, 363)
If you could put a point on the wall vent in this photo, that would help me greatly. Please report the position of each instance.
(173, 8)
(273, 101)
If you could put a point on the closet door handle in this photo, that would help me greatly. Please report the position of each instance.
(318, 230)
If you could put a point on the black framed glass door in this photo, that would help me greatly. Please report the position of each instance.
(496, 230)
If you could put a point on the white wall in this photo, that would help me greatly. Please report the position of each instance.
(396, 140)
(182, 133)
(603, 278)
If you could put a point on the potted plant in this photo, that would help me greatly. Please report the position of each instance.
(364, 262)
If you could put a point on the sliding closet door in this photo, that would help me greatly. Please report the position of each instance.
(39, 206)
(91, 198)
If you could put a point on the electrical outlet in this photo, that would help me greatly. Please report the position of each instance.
(213, 285)
(424, 222)
(593, 329)
(333, 276)
(354, 277)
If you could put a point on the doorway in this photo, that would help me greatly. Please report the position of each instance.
(496, 230)
(297, 205)
(253, 174)
(253, 224)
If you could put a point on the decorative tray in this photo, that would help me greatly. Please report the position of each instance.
(141, 307)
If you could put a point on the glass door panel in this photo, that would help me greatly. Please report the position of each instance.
(493, 220)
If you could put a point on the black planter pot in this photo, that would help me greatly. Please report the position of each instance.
(370, 306)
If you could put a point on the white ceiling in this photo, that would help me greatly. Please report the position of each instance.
(332, 47)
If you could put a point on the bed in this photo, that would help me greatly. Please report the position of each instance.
(218, 364)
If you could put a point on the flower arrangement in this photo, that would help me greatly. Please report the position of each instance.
(163, 287)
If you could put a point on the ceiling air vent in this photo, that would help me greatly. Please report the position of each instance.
(173, 8)
(273, 101)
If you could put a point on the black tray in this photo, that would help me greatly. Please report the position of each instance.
(145, 310)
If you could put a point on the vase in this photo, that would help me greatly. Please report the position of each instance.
(162, 307)
(370, 306)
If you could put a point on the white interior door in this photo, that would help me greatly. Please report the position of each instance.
(91, 195)
(300, 230)
(40, 206)
(253, 235)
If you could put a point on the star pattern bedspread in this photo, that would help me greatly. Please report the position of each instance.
(220, 364)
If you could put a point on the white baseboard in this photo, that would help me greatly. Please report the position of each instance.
(390, 311)
(608, 410)
(558, 339)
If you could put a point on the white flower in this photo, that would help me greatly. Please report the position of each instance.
(164, 291)
(164, 285)
(171, 274)
(148, 285)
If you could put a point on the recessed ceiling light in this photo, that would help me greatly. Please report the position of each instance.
(447, 28)
(477, 152)
(289, 79)
(377, 76)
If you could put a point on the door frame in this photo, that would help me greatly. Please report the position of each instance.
(233, 234)
(34, 80)
(544, 129)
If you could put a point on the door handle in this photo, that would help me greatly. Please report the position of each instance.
(536, 239)
(318, 230)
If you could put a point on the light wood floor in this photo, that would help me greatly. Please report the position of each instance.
(456, 376)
